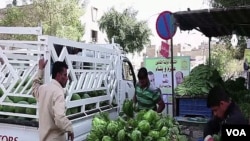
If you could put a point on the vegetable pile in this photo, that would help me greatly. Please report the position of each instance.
(18, 88)
(145, 125)
(23, 88)
(200, 80)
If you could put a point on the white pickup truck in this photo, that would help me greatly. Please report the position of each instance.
(100, 78)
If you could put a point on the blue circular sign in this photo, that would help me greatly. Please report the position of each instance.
(165, 25)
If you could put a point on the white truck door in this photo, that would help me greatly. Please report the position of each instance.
(128, 81)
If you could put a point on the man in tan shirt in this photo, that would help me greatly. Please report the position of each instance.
(53, 123)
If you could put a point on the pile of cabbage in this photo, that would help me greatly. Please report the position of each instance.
(145, 125)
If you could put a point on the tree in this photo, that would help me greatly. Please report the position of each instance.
(59, 18)
(238, 52)
(223, 60)
(227, 39)
(126, 30)
(228, 3)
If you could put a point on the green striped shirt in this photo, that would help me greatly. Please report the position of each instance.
(147, 98)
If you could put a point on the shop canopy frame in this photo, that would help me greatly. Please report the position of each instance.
(216, 22)
(213, 22)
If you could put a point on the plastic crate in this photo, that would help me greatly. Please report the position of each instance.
(200, 139)
(194, 107)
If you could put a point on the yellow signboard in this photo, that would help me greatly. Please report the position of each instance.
(160, 71)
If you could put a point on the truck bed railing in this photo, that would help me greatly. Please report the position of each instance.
(93, 78)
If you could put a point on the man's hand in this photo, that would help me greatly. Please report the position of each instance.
(71, 136)
(209, 138)
(42, 63)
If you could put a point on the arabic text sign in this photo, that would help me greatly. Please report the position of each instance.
(160, 71)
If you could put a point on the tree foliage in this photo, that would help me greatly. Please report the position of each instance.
(59, 18)
(227, 39)
(222, 58)
(126, 30)
(239, 50)
(228, 3)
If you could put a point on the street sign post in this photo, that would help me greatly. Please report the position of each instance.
(166, 29)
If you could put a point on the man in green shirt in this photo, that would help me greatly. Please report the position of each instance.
(146, 95)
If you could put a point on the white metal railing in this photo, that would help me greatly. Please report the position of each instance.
(21, 30)
(92, 72)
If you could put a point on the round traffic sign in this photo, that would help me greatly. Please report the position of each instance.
(165, 25)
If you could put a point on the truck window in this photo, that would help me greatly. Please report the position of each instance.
(127, 72)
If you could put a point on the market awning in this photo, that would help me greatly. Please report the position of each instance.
(217, 21)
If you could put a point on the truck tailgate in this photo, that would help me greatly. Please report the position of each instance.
(12, 132)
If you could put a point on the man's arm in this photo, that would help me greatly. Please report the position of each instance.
(135, 102)
(37, 81)
(211, 127)
(134, 97)
(158, 98)
(161, 106)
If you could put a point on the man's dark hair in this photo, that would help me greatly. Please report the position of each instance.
(216, 95)
(142, 73)
(58, 67)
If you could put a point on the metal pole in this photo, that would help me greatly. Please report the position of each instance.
(209, 50)
(172, 73)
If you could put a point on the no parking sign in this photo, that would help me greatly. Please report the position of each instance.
(165, 25)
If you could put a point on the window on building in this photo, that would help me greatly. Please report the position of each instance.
(94, 11)
(94, 35)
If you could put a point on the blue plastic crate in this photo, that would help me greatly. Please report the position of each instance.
(200, 139)
(194, 107)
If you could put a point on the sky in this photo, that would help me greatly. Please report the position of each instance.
(149, 10)
(2, 4)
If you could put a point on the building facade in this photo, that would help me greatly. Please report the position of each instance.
(93, 13)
